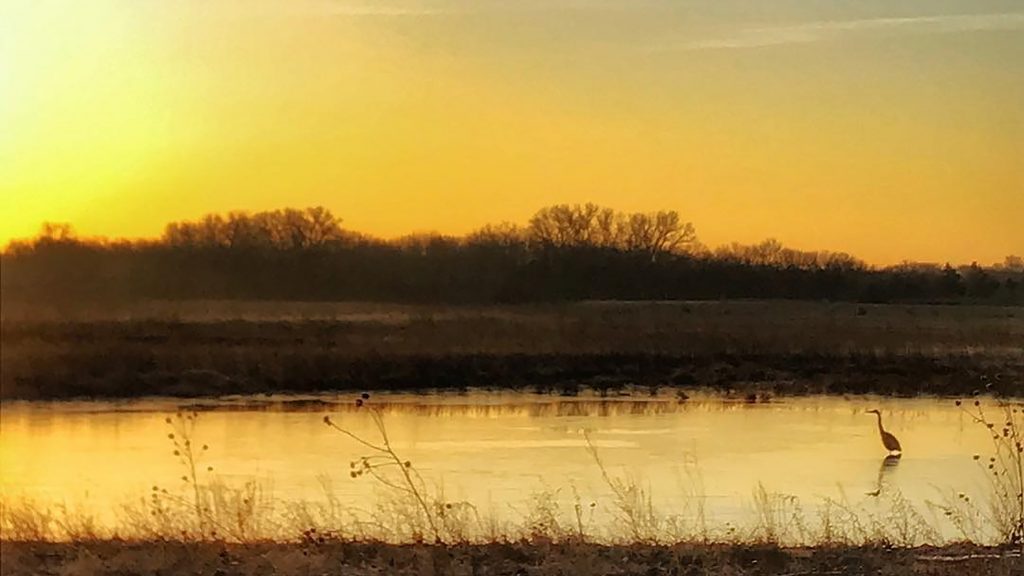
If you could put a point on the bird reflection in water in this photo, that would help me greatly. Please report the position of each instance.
(888, 466)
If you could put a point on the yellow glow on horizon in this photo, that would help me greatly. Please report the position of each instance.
(121, 116)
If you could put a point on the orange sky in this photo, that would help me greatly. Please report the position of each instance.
(891, 132)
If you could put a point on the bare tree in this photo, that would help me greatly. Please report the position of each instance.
(656, 233)
(324, 227)
(427, 243)
(574, 226)
(843, 261)
(211, 231)
(282, 229)
(505, 234)
(606, 228)
(767, 252)
(309, 228)
(554, 226)
(180, 234)
(53, 232)
(242, 230)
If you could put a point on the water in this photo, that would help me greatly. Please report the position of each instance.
(499, 451)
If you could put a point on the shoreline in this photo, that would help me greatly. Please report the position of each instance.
(539, 557)
(746, 376)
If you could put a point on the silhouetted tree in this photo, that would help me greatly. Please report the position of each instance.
(567, 252)
(655, 233)
(979, 284)
(575, 226)
(1014, 263)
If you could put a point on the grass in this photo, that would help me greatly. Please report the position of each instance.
(201, 523)
(745, 347)
(209, 526)
(1002, 516)
(382, 460)
(201, 506)
(633, 505)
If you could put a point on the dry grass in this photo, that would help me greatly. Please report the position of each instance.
(412, 508)
(784, 346)
(1001, 517)
(728, 326)
(214, 528)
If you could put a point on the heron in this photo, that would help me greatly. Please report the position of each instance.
(888, 440)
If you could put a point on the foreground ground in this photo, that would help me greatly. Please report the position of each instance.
(518, 559)
(216, 348)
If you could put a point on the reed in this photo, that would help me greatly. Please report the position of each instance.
(1002, 514)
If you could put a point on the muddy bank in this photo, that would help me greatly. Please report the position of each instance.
(125, 375)
(535, 558)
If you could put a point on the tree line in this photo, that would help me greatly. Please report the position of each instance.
(564, 252)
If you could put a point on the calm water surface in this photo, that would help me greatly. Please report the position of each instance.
(496, 450)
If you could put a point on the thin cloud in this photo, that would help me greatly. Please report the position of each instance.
(380, 9)
(827, 30)
(343, 8)
(436, 8)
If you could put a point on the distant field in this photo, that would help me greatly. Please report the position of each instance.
(209, 348)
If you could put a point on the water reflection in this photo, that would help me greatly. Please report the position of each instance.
(458, 407)
(497, 449)
(888, 467)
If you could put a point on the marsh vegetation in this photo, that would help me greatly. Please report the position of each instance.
(612, 474)
(216, 348)
(204, 509)
(209, 521)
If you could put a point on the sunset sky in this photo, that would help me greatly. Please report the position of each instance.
(888, 129)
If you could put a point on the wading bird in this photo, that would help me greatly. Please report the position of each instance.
(888, 440)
